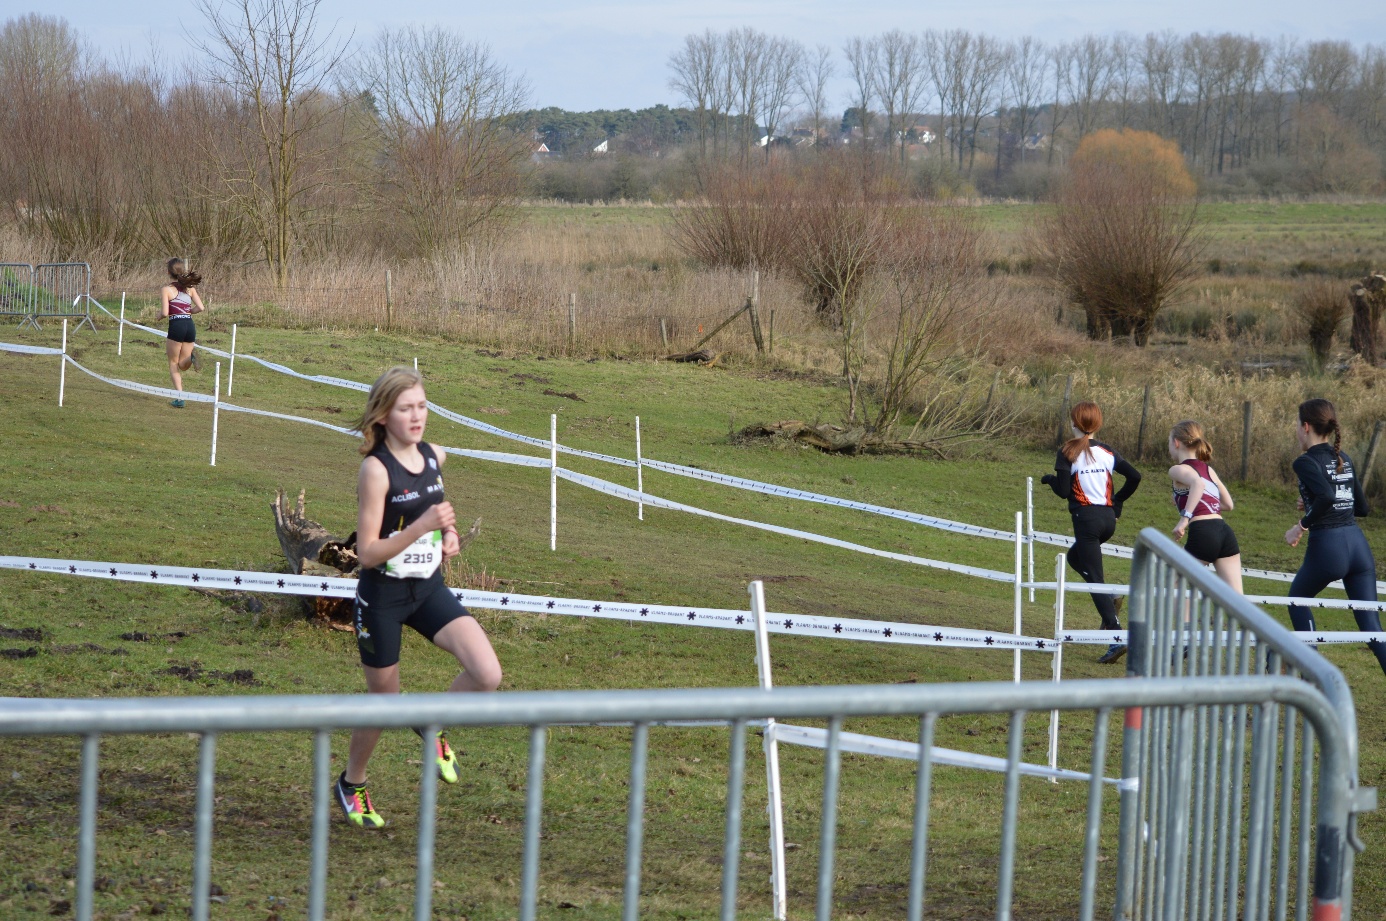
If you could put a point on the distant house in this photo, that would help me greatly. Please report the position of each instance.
(601, 148)
(539, 152)
(775, 141)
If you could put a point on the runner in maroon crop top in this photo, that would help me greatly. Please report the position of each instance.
(1201, 497)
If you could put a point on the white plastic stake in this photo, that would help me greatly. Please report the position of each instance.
(1019, 576)
(1058, 666)
(120, 336)
(1030, 530)
(216, 413)
(639, 474)
(231, 372)
(416, 362)
(553, 481)
(62, 366)
(775, 806)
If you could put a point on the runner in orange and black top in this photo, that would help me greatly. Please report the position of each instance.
(1083, 476)
(1200, 496)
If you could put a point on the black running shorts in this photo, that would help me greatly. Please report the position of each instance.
(181, 330)
(1211, 540)
(385, 606)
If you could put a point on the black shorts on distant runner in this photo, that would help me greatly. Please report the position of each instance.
(181, 329)
(385, 606)
(1210, 540)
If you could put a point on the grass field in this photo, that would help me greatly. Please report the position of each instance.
(119, 476)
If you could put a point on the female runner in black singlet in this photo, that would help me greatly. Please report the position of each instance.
(1330, 496)
(179, 300)
(404, 530)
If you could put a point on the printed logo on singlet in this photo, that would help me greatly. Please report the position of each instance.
(405, 497)
(433, 463)
(436, 487)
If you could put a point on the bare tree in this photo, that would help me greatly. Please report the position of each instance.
(450, 166)
(1091, 78)
(816, 71)
(1026, 67)
(1061, 72)
(1125, 82)
(1162, 63)
(930, 279)
(861, 63)
(696, 67)
(279, 63)
(782, 64)
(899, 80)
(982, 87)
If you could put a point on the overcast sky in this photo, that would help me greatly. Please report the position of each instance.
(614, 53)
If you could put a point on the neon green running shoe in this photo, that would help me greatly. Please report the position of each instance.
(356, 803)
(445, 759)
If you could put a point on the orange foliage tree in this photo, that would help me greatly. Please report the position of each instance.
(1125, 235)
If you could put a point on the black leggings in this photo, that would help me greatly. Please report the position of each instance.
(1094, 525)
(1332, 554)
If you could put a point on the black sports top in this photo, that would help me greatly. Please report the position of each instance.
(1331, 499)
(410, 494)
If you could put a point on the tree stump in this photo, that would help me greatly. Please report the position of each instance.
(1368, 300)
(310, 548)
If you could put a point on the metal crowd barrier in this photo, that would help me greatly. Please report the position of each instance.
(214, 717)
(62, 289)
(17, 292)
(1228, 805)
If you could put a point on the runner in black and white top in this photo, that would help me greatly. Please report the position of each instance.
(1083, 475)
(405, 529)
(1201, 497)
(1331, 499)
(179, 300)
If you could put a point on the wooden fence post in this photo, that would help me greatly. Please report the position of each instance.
(1370, 461)
(755, 316)
(572, 323)
(1145, 414)
(1246, 439)
(771, 344)
(389, 301)
(664, 332)
(1062, 435)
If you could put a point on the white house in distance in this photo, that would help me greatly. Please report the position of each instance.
(601, 148)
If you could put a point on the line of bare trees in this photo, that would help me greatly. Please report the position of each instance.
(1232, 102)
(278, 143)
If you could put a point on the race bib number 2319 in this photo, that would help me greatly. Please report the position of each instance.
(419, 560)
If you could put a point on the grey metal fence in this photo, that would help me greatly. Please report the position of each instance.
(17, 291)
(62, 289)
(1228, 818)
(213, 717)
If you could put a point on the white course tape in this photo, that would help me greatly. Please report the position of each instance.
(785, 492)
(811, 737)
(625, 492)
(1113, 589)
(143, 388)
(29, 349)
(1328, 637)
(334, 587)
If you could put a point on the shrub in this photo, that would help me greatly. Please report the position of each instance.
(1125, 236)
(1322, 306)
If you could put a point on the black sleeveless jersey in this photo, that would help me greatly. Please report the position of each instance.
(410, 494)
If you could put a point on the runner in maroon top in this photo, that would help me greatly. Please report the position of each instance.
(178, 301)
(1200, 496)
